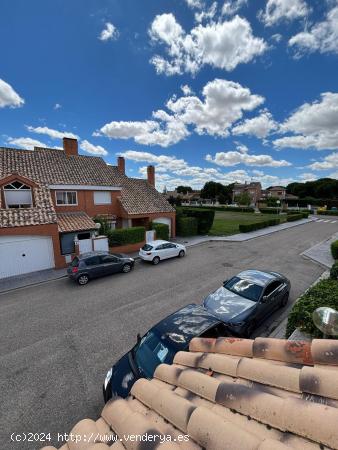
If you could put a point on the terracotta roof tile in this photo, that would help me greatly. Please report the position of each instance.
(74, 221)
(224, 401)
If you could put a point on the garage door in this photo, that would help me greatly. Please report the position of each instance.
(24, 254)
(165, 220)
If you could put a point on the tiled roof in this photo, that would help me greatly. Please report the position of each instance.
(55, 167)
(228, 394)
(42, 213)
(74, 221)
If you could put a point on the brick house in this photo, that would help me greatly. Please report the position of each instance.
(254, 189)
(49, 197)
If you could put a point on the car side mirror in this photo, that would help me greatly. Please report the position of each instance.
(225, 282)
(265, 299)
(138, 338)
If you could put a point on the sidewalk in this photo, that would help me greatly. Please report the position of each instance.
(241, 237)
(29, 279)
(321, 253)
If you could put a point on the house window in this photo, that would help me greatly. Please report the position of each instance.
(66, 197)
(18, 195)
(102, 198)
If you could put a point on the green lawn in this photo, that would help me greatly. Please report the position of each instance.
(227, 222)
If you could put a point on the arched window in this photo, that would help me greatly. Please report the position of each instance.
(18, 195)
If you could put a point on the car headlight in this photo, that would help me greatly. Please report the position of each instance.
(108, 377)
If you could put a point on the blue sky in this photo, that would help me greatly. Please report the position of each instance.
(224, 90)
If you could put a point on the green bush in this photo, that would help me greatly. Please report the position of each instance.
(294, 217)
(328, 213)
(220, 208)
(162, 230)
(247, 227)
(105, 226)
(270, 210)
(334, 271)
(187, 226)
(325, 293)
(205, 219)
(123, 236)
(334, 249)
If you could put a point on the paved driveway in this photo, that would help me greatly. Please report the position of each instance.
(57, 340)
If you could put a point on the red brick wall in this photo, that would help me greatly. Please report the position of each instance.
(85, 200)
(40, 230)
(129, 248)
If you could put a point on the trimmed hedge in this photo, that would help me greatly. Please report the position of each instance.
(162, 230)
(328, 213)
(247, 227)
(325, 293)
(187, 226)
(123, 236)
(334, 249)
(294, 217)
(246, 209)
(270, 210)
(334, 271)
(205, 219)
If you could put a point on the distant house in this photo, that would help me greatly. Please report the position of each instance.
(48, 199)
(190, 198)
(278, 192)
(254, 189)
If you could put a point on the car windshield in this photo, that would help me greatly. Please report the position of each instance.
(245, 288)
(151, 352)
(75, 262)
(147, 247)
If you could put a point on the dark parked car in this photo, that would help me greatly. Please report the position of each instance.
(98, 264)
(244, 301)
(159, 346)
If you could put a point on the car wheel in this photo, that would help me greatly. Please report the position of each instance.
(285, 299)
(181, 254)
(83, 279)
(156, 260)
(126, 268)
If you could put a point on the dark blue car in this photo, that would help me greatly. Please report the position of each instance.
(160, 345)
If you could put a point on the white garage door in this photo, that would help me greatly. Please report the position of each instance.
(24, 254)
(165, 220)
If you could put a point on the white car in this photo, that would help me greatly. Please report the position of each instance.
(155, 251)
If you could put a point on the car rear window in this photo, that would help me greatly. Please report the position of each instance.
(75, 262)
(244, 288)
(147, 247)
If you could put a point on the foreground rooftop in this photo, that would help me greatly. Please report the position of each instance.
(227, 393)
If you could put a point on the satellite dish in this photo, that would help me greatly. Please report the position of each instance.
(326, 320)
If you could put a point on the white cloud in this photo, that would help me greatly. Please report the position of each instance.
(92, 149)
(329, 162)
(283, 10)
(57, 106)
(109, 33)
(8, 96)
(307, 177)
(277, 37)
(26, 143)
(207, 14)
(223, 45)
(321, 37)
(54, 134)
(231, 7)
(186, 90)
(195, 3)
(223, 103)
(241, 156)
(259, 126)
(314, 125)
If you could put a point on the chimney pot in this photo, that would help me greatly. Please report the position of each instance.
(151, 175)
(70, 146)
(121, 165)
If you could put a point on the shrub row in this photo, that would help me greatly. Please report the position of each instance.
(123, 236)
(162, 230)
(247, 227)
(270, 210)
(186, 226)
(204, 219)
(328, 213)
(247, 209)
(294, 217)
(334, 249)
(334, 271)
(325, 293)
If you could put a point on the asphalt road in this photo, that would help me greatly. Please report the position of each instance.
(57, 339)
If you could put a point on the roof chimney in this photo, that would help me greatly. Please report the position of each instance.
(121, 165)
(151, 175)
(70, 146)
